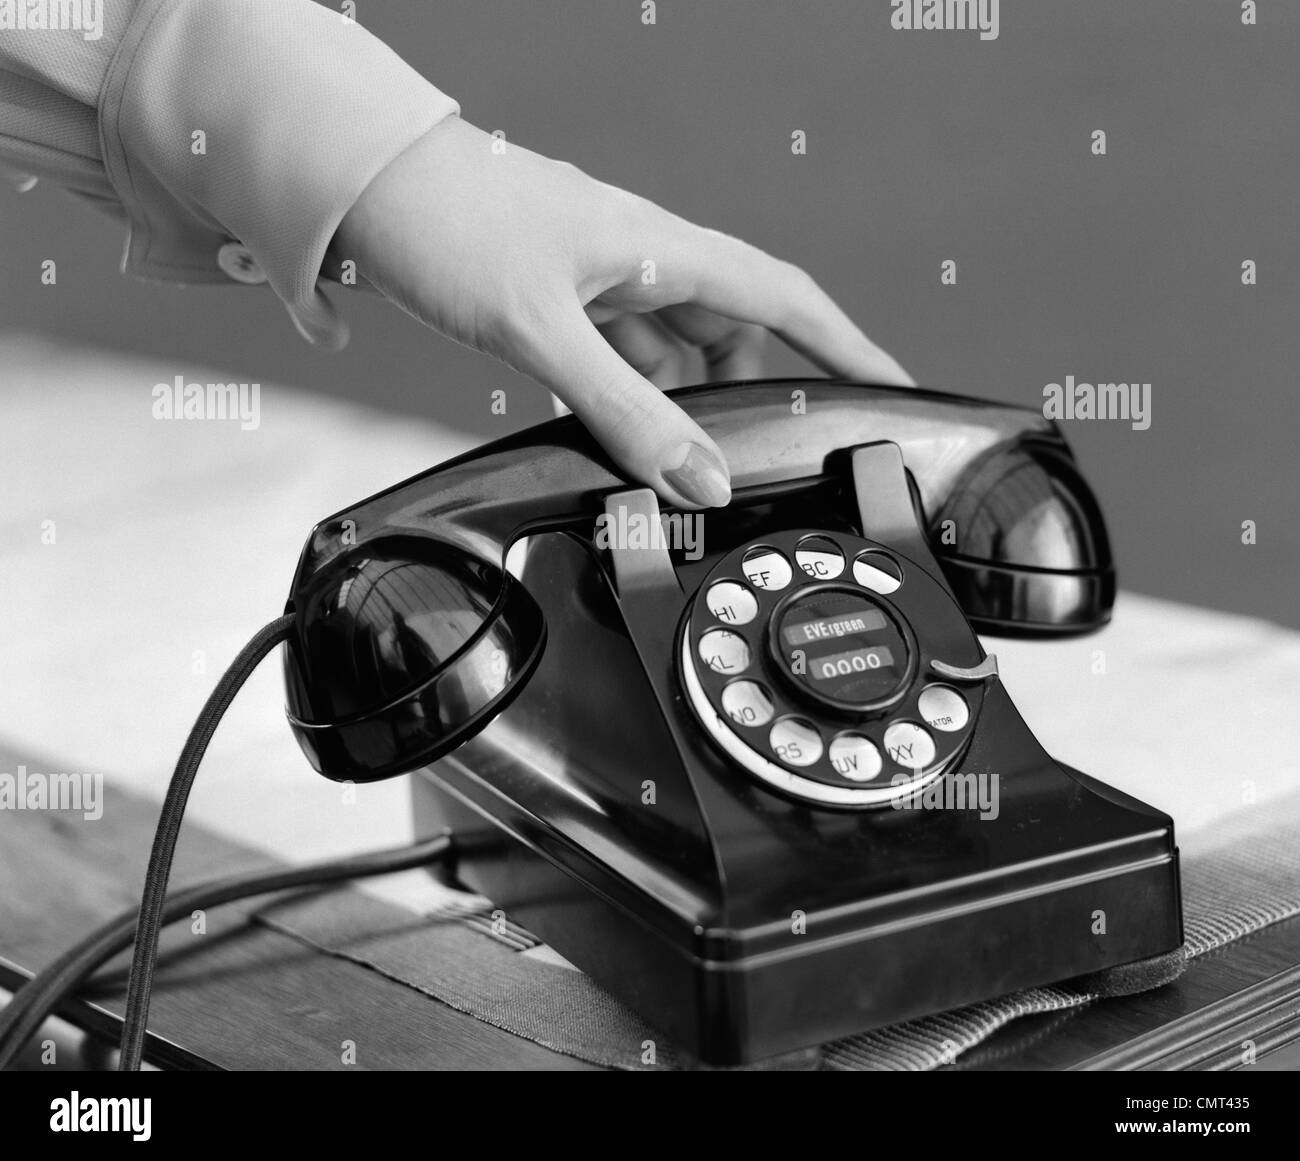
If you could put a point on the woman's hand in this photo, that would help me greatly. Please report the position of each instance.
(534, 262)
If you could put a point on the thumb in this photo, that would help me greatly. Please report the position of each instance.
(652, 439)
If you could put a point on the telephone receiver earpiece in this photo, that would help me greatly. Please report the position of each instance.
(411, 636)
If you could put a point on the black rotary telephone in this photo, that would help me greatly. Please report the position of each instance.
(751, 769)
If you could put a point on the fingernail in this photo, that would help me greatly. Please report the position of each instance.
(700, 476)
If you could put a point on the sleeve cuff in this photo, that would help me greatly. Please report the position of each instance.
(254, 121)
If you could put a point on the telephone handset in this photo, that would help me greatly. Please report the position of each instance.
(750, 768)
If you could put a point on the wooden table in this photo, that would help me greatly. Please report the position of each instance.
(246, 997)
(240, 997)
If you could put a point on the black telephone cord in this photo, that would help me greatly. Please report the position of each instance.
(154, 897)
(55, 984)
(49, 991)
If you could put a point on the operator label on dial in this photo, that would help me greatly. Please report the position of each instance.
(943, 708)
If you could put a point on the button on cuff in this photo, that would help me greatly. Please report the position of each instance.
(239, 265)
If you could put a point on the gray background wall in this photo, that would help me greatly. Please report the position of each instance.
(921, 147)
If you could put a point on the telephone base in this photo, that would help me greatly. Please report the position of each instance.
(952, 948)
(745, 923)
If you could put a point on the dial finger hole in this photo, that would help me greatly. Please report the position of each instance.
(724, 651)
(819, 557)
(766, 569)
(878, 572)
(747, 703)
(732, 603)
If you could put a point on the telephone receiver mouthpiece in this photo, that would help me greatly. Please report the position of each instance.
(406, 648)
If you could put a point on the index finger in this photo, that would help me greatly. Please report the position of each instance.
(740, 281)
